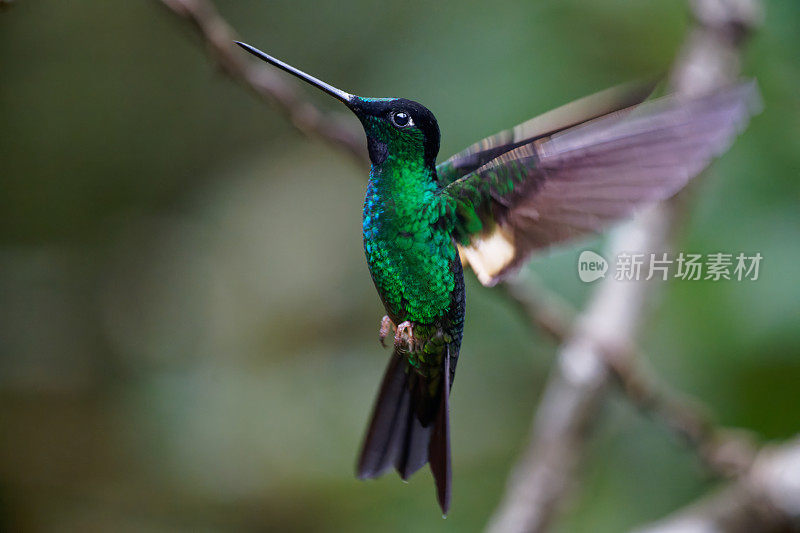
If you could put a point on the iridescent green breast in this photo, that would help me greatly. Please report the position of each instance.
(409, 257)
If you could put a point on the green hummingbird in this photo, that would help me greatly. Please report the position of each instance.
(562, 175)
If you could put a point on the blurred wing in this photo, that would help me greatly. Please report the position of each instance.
(579, 180)
(616, 99)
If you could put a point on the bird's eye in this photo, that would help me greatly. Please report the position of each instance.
(401, 119)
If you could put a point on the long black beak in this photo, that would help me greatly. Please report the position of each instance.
(339, 94)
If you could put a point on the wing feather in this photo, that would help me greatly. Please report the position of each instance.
(579, 180)
(615, 100)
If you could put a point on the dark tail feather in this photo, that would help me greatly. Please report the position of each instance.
(391, 411)
(439, 447)
(396, 434)
(413, 453)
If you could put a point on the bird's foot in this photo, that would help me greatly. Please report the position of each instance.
(404, 336)
(386, 326)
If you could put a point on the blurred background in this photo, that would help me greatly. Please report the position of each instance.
(188, 331)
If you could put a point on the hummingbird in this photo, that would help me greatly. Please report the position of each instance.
(565, 174)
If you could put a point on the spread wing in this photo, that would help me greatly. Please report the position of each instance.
(615, 100)
(578, 180)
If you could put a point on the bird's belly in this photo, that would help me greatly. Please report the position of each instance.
(414, 277)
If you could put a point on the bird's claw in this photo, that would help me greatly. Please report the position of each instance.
(404, 335)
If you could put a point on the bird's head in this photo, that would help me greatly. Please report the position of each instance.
(395, 127)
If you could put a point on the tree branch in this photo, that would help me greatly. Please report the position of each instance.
(725, 453)
(265, 82)
(576, 385)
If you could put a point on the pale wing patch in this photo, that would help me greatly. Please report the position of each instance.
(489, 255)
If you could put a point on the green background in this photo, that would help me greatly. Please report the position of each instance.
(187, 326)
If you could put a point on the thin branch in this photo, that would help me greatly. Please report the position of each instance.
(725, 453)
(265, 82)
(545, 473)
